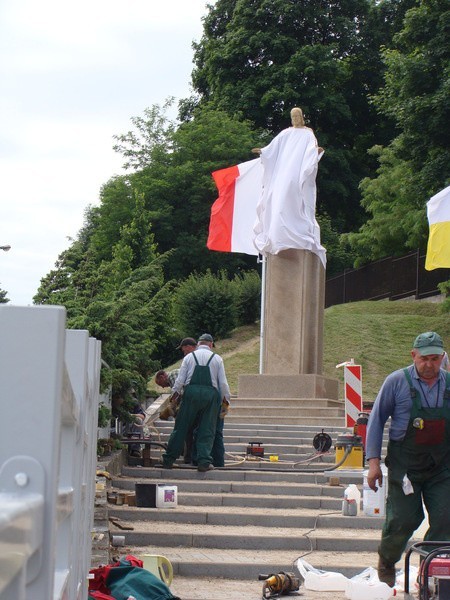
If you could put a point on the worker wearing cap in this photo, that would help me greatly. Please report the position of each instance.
(417, 399)
(202, 376)
(187, 345)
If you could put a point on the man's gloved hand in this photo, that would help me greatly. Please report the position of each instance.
(165, 414)
(224, 409)
(171, 409)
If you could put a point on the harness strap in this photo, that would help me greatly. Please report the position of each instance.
(207, 364)
(412, 389)
(415, 393)
(447, 386)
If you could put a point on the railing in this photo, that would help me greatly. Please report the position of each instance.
(393, 278)
(49, 382)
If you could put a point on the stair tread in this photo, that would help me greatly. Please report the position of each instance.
(255, 531)
(317, 558)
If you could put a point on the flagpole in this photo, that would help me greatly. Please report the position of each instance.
(262, 259)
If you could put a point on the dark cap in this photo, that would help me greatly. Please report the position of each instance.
(206, 337)
(187, 342)
(429, 343)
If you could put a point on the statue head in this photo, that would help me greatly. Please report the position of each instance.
(297, 119)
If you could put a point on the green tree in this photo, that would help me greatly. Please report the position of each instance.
(206, 303)
(179, 191)
(124, 301)
(259, 58)
(414, 166)
(3, 298)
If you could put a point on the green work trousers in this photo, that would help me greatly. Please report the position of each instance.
(202, 403)
(404, 514)
(218, 449)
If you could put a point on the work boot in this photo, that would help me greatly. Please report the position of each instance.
(386, 572)
(163, 465)
(204, 468)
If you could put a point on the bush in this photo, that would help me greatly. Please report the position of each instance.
(206, 304)
(247, 288)
(444, 287)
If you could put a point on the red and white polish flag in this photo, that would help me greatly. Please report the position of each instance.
(233, 214)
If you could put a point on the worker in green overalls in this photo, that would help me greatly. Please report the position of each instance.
(202, 377)
(417, 399)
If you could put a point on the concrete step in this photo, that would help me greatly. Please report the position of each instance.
(163, 533)
(226, 475)
(258, 501)
(283, 412)
(300, 515)
(279, 429)
(257, 419)
(247, 565)
(228, 486)
(300, 403)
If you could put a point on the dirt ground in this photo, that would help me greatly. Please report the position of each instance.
(226, 589)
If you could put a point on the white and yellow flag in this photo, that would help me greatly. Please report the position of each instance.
(438, 249)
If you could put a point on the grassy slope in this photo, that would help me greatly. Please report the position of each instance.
(378, 335)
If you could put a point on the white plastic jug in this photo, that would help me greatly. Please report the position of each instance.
(369, 590)
(374, 503)
(352, 501)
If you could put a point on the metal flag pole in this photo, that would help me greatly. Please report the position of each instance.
(262, 259)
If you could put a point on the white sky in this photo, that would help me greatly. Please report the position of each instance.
(72, 74)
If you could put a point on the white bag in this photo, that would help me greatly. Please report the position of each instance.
(321, 581)
(367, 586)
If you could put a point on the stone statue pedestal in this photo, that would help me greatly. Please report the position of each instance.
(287, 386)
(293, 313)
(292, 341)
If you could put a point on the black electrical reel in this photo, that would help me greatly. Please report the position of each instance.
(322, 442)
(279, 584)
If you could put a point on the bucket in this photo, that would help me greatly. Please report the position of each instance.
(156, 495)
(355, 459)
(159, 566)
(374, 503)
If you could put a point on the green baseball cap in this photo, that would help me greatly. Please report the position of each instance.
(429, 343)
(206, 337)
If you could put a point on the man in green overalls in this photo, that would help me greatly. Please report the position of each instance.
(202, 376)
(417, 399)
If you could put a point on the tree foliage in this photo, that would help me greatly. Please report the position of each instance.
(178, 189)
(259, 58)
(3, 297)
(414, 166)
(206, 303)
(138, 275)
(124, 302)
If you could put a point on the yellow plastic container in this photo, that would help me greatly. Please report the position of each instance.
(159, 566)
(355, 458)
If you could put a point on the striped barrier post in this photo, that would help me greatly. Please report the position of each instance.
(353, 393)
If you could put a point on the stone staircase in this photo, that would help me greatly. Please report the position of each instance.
(255, 515)
(294, 411)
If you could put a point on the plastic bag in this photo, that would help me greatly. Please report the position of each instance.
(321, 581)
(367, 586)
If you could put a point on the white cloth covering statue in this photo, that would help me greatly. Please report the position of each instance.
(286, 209)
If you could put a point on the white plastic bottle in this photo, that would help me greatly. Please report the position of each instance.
(352, 501)
(374, 503)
